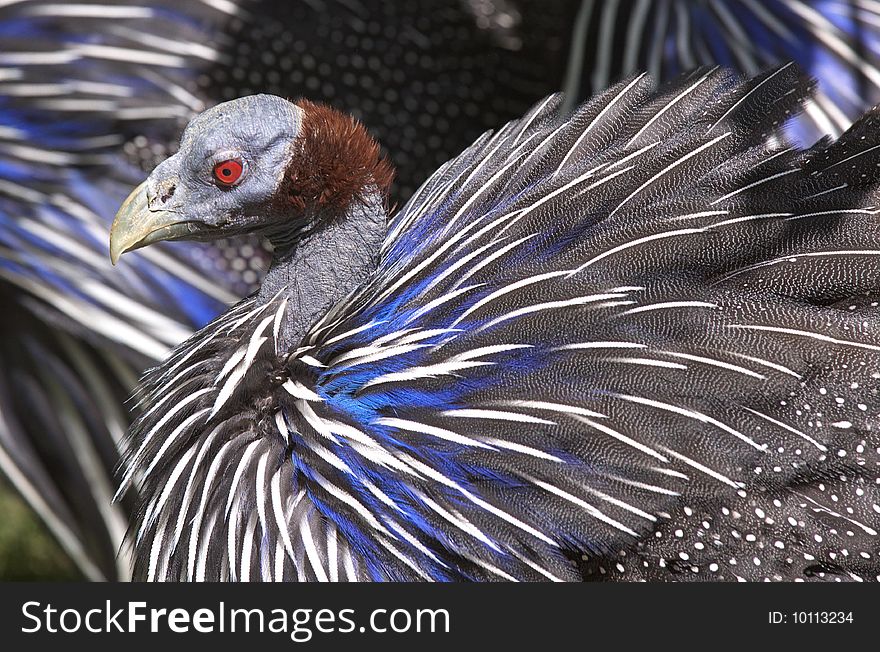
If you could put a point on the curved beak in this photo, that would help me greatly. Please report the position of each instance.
(136, 225)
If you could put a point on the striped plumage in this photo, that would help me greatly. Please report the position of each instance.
(639, 342)
(836, 40)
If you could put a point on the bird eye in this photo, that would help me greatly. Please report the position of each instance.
(227, 173)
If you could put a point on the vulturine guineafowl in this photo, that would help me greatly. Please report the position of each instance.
(93, 95)
(637, 342)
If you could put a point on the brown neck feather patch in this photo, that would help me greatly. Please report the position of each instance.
(335, 162)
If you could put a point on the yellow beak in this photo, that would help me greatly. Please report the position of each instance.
(136, 225)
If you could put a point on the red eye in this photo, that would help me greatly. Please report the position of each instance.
(227, 173)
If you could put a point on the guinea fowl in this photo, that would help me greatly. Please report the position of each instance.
(638, 342)
(93, 95)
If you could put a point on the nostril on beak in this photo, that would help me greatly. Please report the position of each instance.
(161, 193)
(168, 193)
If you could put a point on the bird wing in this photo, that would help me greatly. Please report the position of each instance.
(579, 325)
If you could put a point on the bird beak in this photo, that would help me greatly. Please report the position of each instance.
(137, 225)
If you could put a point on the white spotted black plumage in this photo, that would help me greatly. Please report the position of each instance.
(636, 343)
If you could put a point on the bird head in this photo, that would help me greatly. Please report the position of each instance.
(257, 164)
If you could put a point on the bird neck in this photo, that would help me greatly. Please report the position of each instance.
(316, 268)
(336, 183)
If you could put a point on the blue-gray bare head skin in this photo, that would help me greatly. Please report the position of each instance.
(183, 198)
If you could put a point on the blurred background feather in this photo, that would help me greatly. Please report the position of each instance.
(93, 95)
